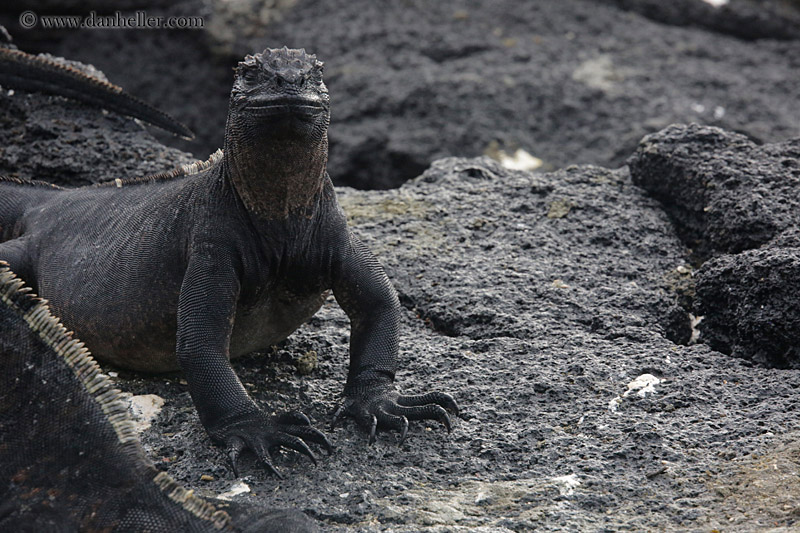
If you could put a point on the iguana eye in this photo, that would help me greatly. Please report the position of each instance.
(316, 74)
(250, 76)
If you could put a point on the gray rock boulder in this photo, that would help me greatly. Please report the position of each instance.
(737, 203)
(751, 306)
(724, 192)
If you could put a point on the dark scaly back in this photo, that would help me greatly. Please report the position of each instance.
(16, 196)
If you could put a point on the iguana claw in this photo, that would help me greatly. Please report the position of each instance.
(338, 415)
(293, 417)
(235, 445)
(262, 435)
(383, 407)
(372, 428)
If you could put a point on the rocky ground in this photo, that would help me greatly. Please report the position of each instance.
(542, 303)
(556, 307)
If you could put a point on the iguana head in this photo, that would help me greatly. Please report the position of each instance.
(280, 92)
(276, 138)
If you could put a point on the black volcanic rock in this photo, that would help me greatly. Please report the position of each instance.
(548, 305)
(64, 142)
(736, 203)
(723, 192)
(751, 306)
(568, 82)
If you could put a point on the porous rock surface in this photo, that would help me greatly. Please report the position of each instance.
(545, 303)
(737, 203)
(64, 142)
(750, 304)
(412, 81)
(724, 192)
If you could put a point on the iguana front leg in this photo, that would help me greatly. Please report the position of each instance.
(363, 290)
(206, 311)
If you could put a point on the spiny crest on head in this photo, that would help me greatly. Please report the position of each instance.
(290, 63)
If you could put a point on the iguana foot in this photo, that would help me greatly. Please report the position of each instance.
(263, 435)
(382, 406)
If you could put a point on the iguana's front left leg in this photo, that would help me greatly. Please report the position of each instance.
(206, 311)
(363, 290)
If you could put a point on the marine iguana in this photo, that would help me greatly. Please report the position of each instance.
(228, 257)
(27, 72)
(70, 459)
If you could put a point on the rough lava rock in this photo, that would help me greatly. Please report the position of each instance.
(724, 193)
(414, 81)
(502, 229)
(738, 203)
(542, 302)
(55, 139)
(750, 305)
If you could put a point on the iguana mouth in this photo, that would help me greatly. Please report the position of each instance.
(284, 106)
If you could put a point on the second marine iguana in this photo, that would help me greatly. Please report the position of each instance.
(27, 72)
(228, 257)
(70, 459)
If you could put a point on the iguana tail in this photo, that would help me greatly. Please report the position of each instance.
(23, 71)
(70, 459)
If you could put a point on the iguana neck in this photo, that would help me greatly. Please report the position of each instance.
(275, 177)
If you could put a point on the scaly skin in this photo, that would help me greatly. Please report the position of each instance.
(227, 257)
(70, 459)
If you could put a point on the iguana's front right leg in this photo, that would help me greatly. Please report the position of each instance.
(206, 311)
(362, 288)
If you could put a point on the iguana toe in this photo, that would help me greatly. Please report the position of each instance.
(262, 435)
(294, 418)
(372, 430)
(311, 434)
(263, 454)
(338, 415)
(235, 445)
(392, 421)
(295, 443)
(439, 398)
(431, 411)
(383, 407)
